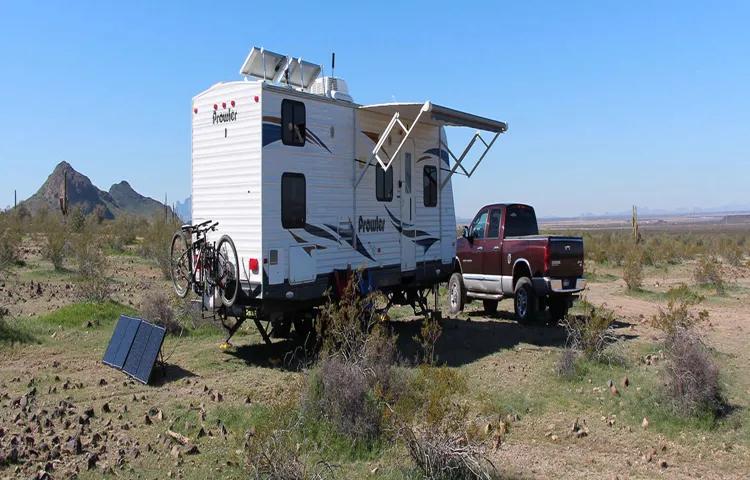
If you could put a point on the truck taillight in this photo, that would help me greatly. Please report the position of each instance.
(547, 260)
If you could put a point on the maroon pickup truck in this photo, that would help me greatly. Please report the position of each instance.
(502, 255)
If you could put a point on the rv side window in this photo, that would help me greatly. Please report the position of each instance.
(383, 183)
(293, 200)
(430, 188)
(293, 123)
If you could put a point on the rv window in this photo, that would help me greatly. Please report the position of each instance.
(293, 123)
(430, 189)
(293, 200)
(383, 183)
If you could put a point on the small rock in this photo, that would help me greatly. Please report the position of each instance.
(159, 415)
(625, 382)
(582, 433)
(191, 449)
(91, 461)
(614, 390)
(102, 382)
(105, 408)
(374, 470)
(663, 463)
(73, 446)
(147, 420)
(201, 433)
(609, 383)
(554, 438)
(644, 424)
(176, 451)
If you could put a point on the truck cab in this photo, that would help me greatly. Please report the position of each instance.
(502, 255)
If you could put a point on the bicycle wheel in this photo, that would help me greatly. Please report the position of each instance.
(179, 264)
(228, 271)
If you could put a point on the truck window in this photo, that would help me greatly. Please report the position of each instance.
(494, 231)
(293, 123)
(520, 221)
(477, 228)
(293, 200)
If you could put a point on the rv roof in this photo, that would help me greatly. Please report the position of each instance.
(264, 64)
(438, 115)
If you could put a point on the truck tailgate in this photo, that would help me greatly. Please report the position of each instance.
(566, 257)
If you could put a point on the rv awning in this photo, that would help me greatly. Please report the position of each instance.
(438, 115)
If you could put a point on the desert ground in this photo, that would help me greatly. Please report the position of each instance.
(64, 413)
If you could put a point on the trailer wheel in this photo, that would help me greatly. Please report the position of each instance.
(525, 301)
(490, 306)
(456, 293)
(229, 271)
(303, 325)
(180, 264)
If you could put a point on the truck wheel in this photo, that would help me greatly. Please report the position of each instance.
(490, 306)
(558, 309)
(456, 293)
(525, 301)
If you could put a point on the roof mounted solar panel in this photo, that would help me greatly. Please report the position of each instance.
(302, 74)
(121, 341)
(263, 64)
(142, 357)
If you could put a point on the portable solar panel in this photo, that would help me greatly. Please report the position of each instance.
(144, 352)
(121, 341)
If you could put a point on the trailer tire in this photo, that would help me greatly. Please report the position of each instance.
(525, 301)
(230, 270)
(456, 293)
(490, 306)
(303, 325)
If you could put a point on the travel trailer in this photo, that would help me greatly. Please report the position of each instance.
(310, 185)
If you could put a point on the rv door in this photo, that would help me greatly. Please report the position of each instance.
(408, 209)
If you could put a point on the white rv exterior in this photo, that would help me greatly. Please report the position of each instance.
(299, 213)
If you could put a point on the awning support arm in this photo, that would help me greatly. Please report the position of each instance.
(463, 155)
(407, 131)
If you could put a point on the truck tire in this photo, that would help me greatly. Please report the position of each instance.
(456, 294)
(525, 301)
(490, 306)
(558, 308)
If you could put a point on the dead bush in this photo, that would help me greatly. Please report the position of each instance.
(678, 314)
(692, 377)
(592, 332)
(157, 308)
(274, 450)
(356, 371)
(566, 364)
(732, 254)
(56, 242)
(633, 269)
(428, 336)
(91, 267)
(708, 273)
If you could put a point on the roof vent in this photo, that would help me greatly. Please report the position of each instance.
(331, 87)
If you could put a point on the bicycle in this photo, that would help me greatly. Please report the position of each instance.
(204, 266)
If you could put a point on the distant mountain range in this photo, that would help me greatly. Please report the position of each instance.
(120, 199)
(185, 209)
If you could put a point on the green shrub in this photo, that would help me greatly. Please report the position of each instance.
(156, 244)
(56, 242)
(91, 267)
(77, 219)
(633, 269)
(10, 243)
(708, 273)
(592, 332)
(678, 314)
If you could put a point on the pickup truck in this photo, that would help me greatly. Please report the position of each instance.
(501, 255)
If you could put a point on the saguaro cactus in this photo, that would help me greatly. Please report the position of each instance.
(64, 199)
(636, 233)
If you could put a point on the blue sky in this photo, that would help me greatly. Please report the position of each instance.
(608, 103)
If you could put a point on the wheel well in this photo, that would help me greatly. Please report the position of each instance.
(520, 270)
(457, 266)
